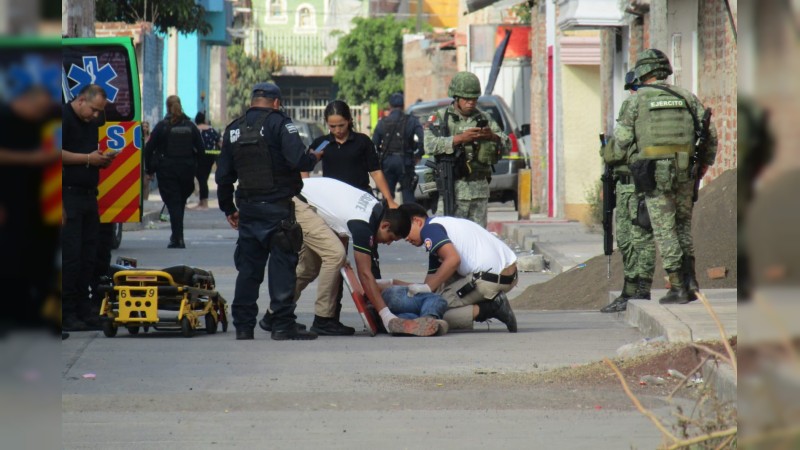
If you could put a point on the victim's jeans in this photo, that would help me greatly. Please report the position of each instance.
(405, 307)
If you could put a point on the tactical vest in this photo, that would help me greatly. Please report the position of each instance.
(479, 157)
(252, 159)
(394, 141)
(664, 126)
(180, 141)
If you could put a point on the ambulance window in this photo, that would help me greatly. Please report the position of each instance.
(107, 66)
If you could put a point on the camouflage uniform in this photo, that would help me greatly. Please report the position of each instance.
(662, 128)
(471, 191)
(635, 243)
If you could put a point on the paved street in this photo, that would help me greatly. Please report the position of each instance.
(161, 390)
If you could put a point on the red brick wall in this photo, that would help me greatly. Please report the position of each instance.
(717, 81)
(427, 71)
(539, 107)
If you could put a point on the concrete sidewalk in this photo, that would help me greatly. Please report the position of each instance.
(566, 244)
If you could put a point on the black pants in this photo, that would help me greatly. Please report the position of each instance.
(258, 222)
(176, 183)
(79, 250)
(204, 165)
(407, 182)
(105, 238)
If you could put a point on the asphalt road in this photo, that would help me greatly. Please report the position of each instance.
(161, 390)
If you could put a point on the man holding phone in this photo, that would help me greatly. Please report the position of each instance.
(474, 140)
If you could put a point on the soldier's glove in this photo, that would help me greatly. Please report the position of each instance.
(414, 289)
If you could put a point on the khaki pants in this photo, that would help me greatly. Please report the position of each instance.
(321, 257)
(459, 314)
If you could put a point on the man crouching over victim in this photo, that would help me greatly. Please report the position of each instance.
(468, 266)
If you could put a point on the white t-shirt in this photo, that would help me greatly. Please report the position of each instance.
(480, 251)
(344, 208)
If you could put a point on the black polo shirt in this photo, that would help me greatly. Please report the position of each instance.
(79, 137)
(350, 162)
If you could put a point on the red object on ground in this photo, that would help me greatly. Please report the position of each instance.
(350, 280)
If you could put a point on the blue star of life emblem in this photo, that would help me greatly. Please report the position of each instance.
(92, 73)
(33, 71)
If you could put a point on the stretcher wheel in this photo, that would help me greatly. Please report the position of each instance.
(133, 330)
(186, 327)
(109, 329)
(146, 328)
(211, 324)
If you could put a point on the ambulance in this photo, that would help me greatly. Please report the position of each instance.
(111, 64)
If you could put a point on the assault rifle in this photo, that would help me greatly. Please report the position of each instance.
(444, 171)
(700, 146)
(609, 203)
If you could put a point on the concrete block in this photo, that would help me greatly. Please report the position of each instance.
(530, 263)
(720, 376)
(529, 241)
(716, 273)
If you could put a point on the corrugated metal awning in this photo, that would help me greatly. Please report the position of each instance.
(475, 5)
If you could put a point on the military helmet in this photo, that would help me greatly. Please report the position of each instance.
(652, 62)
(464, 85)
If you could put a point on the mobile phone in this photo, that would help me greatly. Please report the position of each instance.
(112, 152)
(481, 122)
(322, 146)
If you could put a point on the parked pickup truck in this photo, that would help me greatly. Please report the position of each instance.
(503, 186)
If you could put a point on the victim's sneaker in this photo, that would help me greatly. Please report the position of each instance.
(443, 327)
(421, 326)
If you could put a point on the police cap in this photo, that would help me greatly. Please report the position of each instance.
(267, 90)
(396, 100)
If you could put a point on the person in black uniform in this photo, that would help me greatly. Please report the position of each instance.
(82, 162)
(172, 153)
(263, 151)
(399, 139)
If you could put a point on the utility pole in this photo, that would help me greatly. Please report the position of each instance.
(77, 18)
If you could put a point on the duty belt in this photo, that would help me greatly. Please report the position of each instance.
(494, 278)
(665, 151)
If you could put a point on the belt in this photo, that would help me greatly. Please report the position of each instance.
(500, 279)
(665, 151)
(81, 190)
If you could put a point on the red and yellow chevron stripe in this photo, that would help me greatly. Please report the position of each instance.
(50, 196)
(119, 196)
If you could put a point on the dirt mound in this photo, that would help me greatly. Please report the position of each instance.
(714, 231)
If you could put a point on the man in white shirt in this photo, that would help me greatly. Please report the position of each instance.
(353, 212)
(468, 266)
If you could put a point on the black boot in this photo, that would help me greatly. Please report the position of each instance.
(621, 303)
(266, 323)
(690, 277)
(499, 309)
(677, 291)
(330, 326)
(176, 243)
(642, 288)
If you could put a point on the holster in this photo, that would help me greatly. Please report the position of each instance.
(644, 175)
(642, 218)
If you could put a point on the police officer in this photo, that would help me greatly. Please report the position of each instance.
(263, 151)
(172, 153)
(399, 139)
(664, 123)
(634, 232)
(462, 130)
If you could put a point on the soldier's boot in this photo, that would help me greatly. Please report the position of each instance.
(690, 277)
(643, 286)
(621, 303)
(677, 291)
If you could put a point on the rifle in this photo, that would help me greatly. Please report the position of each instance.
(609, 203)
(700, 146)
(444, 173)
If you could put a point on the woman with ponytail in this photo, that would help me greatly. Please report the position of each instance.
(171, 153)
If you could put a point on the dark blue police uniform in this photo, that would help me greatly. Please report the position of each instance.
(267, 230)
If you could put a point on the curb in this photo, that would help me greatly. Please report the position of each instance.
(720, 376)
(654, 320)
(147, 217)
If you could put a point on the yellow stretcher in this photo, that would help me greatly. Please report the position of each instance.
(136, 297)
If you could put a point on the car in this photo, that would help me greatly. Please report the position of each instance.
(503, 185)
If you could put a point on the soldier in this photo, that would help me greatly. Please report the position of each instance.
(634, 233)
(471, 136)
(263, 151)
(663, 122)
